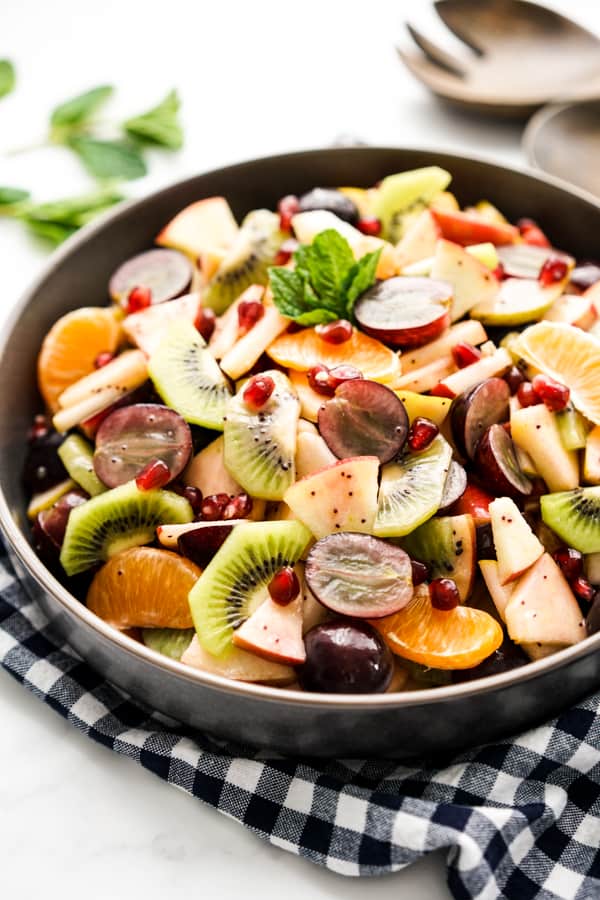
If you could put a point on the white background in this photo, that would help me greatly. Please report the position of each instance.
(256, 78)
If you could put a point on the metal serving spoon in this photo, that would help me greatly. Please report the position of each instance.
(522, 55)
(564, 140)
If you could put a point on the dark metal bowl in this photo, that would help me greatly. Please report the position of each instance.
(432, 721)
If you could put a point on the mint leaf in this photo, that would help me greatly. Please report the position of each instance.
(360, 278)
(7, 77)
(79, 109)
(159, 125)
(328, 260)
(51, 231)
(8, 196)
(288, 291)
(316, 317)
(109, 159)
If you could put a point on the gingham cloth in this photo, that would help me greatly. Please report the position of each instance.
(520, 819)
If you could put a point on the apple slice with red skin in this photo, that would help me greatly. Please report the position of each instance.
(201, 226)
(468, 228)
(274, 632)
(496, 363)
(472, 282)
(237, 665)
(405, 312)
(474, 502)
(146, 328)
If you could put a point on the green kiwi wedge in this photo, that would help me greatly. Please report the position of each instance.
(400, 198)
(247, 261)
(116, 520)
(171, 642)
(188, 378)
(448, 547)
(260, 445)
(575, 517)
(235, 582)
(411, 489)
(78, 459)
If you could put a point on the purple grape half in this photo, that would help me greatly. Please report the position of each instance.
(167, 273)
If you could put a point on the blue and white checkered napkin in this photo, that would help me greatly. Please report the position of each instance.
(520, 819)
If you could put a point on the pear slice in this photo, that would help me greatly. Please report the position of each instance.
(469, 331)
(472, 282)
(239, 665)
(517, 547)
(535, 430)
(519, 300)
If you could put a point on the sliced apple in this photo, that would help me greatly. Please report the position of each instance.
(310, 401)
(518, 301)
(473, 228)
(238, 665)
(248, 348)
(487, 367)
(168, 535)
(426, 377)
(341, 497)
(200, 227)
(574, 309)
(227, 326)
(146, 328)
(535, 430)
(472, 282)
(500, 593)
(469, 331)
(274, 632)
(419, 241)
(517, 547)
(543, 609)
(474, 502)
(312, 453)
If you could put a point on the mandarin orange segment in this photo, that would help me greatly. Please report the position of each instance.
(304, 349)
(457, 639)
(71, 346)
(144, 587)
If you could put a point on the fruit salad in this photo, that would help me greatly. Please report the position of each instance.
(351, 445)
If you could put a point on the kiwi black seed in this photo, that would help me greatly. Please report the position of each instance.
(235, 582)
(116, 520)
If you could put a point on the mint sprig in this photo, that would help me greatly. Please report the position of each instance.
(326, 281)
(7, 77)
(160, 125)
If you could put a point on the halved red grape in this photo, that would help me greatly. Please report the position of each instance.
(359, 575)
(202, 541)
(406, 312)
(475, 410)
(526, 260)
(53, 522)
(167, 273)
(497, 465)
(43, 467)
(455, 486)
(364, 418)
(346, 657)
(133, 436)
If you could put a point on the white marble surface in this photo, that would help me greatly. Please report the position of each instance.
(255, 78)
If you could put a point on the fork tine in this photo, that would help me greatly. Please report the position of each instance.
(436, 54)
(433, 75)
(457, 24)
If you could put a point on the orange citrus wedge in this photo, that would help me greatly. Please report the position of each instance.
(144, 587)
(304, 349)
(458, 639)
(71, 346)
(569, 355)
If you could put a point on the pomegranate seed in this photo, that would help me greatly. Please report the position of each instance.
(582, 589)
(258, 390)
(420, 572)
(532, 234)
(465, 354)
(205, 322)
(318, 378)
(214, 506)
(284, 254)
(239, 507)
(514, 379)
(553, 270)
(284, 586)
(526, 394)
(287, 207)
(421, 433)
(444, 594)
(499, 272)
(249, 313)
(440, 390)
(335, 332)
(339, 374)
(39, 429)
(570, 562)
(554, 394)
(370, 225)
(139, 298)
(103, 359)
(155, 475)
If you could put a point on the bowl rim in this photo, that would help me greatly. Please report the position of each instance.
(45, 580)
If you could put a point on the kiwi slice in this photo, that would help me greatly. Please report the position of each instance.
(575, 517)
(116, 520)
(188, 377)
(260, 446)
(248, 260)
(78, 459)
(172, 642)
(411, 489)
(447, 545)
(402, 196)
(235, 582)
